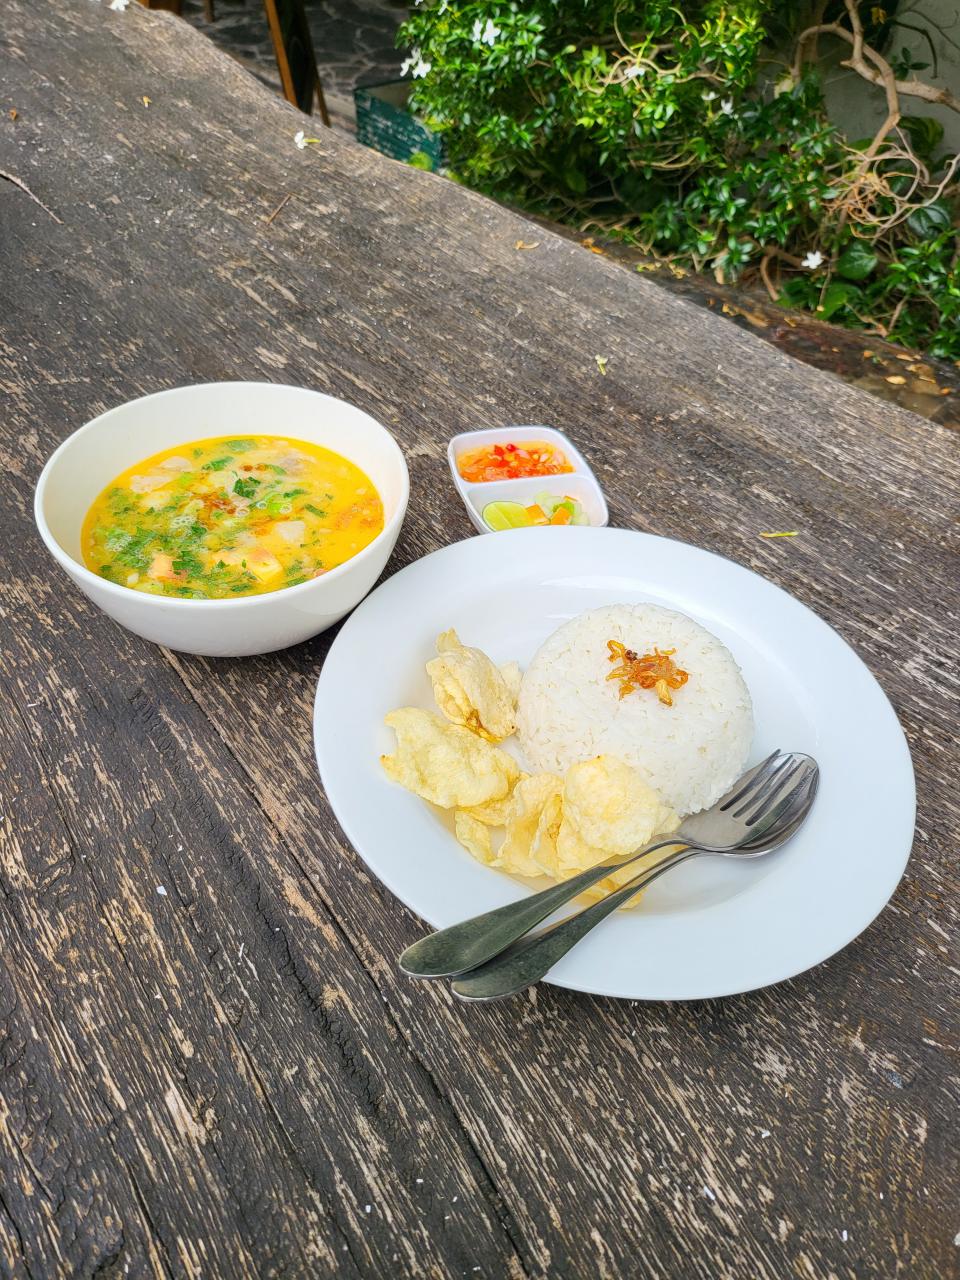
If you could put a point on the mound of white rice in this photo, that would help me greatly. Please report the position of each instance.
(569, 711)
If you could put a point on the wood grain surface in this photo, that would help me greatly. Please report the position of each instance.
(209, 1064)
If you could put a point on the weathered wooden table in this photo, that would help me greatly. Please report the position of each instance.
(230, 1077)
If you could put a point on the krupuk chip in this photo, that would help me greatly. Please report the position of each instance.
(471, 690)
(445, 763)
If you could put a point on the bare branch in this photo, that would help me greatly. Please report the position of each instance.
(888, 328)
(770, 252)
(928, 92)
(881, 73)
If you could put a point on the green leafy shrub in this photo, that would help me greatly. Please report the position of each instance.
(670, 124)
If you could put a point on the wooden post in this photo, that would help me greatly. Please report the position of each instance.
(296, 60)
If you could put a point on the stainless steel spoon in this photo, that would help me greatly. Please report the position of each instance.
(746, 811)
(531, 959)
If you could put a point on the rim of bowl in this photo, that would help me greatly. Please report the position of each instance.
(67, 561)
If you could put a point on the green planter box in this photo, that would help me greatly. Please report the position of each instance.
(385, 124)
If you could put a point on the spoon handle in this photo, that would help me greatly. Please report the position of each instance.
(529, 961)
(472, 942)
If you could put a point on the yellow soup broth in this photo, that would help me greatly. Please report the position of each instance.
(230, 516)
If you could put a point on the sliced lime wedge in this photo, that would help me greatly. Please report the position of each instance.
(505, 515)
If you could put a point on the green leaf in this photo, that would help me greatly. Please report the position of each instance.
(575, 180)
(835, 296)
(857, 261)
(930, 220)
(925, 134)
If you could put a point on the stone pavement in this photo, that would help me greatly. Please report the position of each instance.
(354, 40)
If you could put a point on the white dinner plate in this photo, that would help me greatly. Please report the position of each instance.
(712, 927)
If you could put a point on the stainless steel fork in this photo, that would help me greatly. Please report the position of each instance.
(748, 808)
(533, 957)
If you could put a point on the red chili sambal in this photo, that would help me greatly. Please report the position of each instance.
(513, 461)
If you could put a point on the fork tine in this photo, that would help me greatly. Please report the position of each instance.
(799, 797)
(763, 800)
(792, 789)
(785, 766)
(793, 811)
(752, 779)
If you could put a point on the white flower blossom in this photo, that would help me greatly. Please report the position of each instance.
(631, 73)
(415, 65)
(119, 4)
(813, 260)
(709, 95)
(300, 139)
(726, 106)
(485, 33)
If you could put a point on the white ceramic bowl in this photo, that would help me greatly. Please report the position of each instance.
(89, 459)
